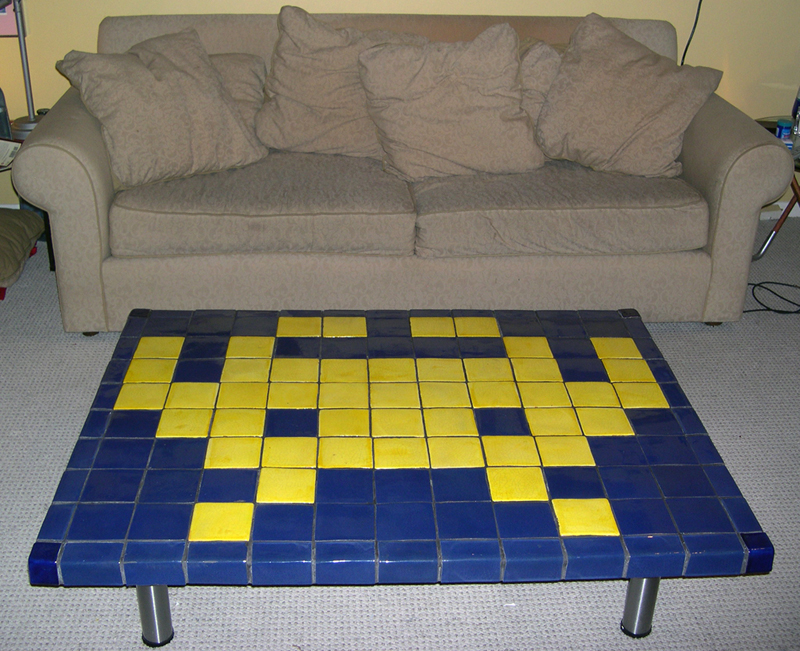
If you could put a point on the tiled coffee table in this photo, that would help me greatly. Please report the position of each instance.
(354, 448)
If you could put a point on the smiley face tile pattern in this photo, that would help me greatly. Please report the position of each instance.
(299, 448)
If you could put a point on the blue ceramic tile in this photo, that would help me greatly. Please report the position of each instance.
(654, 422)
(405, 521)
(133, 424)
(112, 486)
(533, 560)
(603, 323)
(83, 454)
(390, 347)
(211, 322)
(647, 347)
(292, 422)
(388, 324)
(106, 396)
(154, 563)
(594, 558)
(426, 312)
(162, 485)
(179, 453)
(460, 485)
(277, 522)
(690, 421)
(525, 520)
(404, 485)
(465, 520)
(655, 556)
(760, 553)
(573, 483)
(573, 349)
(300, 313)
(100, 522)
(625, 482)
(481, 313)
(344, 347)
(683, 481)
(125, 348)
(202, 347)
(471, 561)
(659, 367)
(282, 563)
(71, 485)
(123, 453)
(519, 323)
(345, 522)
(714, 555)
(558, 323)
(436, 347)
(415, 561)
(344, 485)
(115, 371)
(217, 563)
(56, 522)
(135, 324)
(228, 485)
(674, 395)
(166, 323)
(43, 564)
(297, 347)
(660, 450)
(198, 370)
(482, 347)
(255, 324)
(699, 515)
(345, 563)
(161, 522)
(91, 564)
(582, 370)
(502, 422)
(642, 517)
(722, 481)
(742, 515)
(616, 451)
(95, 424)
(704, 449)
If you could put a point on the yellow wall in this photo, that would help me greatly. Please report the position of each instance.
(755, 44)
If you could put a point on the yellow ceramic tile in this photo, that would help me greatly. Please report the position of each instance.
(344, 452)
(344, 326)
(599, 421)
(510, 451)
(151, 370)
(400, 453)
(343, 370)
(590, 517)
(291, 369)
(557, 421)
(444, 394)
(494, 394)
(564, 451)
(476, 326)
(250, 347)
(641, 395)
(169, 347)
(432, 326)
(242, 395)
(450, 422)
(223, 521)
(397, 423)
(299, 326)
(398, 369)
(527, 347)
(246, 370)
(236, 452)
(142, 396)
(434, 369)
(402, 395)
(619, 347)
(592, 394)
(184, 423)
(341, 395)
(516, 484)
(344, 422)
(292, 395)
(536, 370)
(290, 452)
(238, 422)
(455, 452)
(483, 369)
(192, 395)
(543, 394)
(287, 485)
(628, 370)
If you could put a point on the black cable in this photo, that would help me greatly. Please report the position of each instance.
(765, 286)
(694, 27)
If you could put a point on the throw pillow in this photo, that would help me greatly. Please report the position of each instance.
(243, 76)
(163, 109)
(316, 101)
(450, 108)
(617, 106)
(538, 68)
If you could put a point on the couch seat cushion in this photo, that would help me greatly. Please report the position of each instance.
(309, 203)
(561, 208)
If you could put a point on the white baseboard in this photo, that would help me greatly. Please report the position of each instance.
(12, 206)
(775, 210)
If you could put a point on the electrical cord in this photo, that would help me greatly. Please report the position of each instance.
(766, 286)
(694, 27)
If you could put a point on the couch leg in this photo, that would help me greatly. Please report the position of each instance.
(89, 334)
(713, 324)
(2, 293)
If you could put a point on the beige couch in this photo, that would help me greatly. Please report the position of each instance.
(317, 231)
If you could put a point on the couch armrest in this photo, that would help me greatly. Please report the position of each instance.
(739, 168)
(63, 168)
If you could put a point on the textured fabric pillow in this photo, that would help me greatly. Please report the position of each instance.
(617, 106)
(163, 109)
(243, 76)
(316, 101)
(538, 67)
(450, 108)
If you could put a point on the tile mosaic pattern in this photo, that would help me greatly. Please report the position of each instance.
(300, 448)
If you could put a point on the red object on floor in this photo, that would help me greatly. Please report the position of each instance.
(2, 293)
(33, 252)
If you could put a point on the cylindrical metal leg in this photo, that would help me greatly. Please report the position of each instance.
(155, 614)
(640, 602)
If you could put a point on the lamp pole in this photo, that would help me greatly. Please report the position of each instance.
(21, 127)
